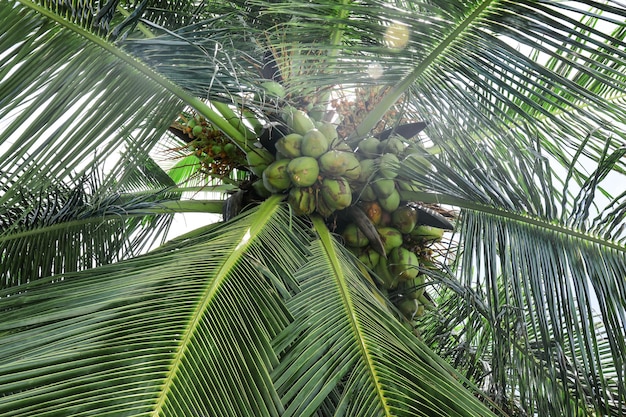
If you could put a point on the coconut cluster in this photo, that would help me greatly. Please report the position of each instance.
(399, 267)
(217, 154)
(311, 164)
(321, 173)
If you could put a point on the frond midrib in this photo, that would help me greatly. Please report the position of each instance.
(248, 237)
(144, 69)
(344, 293)
(166, 207)
(396, 92)
(434, 198)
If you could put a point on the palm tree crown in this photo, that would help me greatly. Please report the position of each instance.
(470, 262)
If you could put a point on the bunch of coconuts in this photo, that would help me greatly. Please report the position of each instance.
(311, 164)
(405, 246)
(357, 184)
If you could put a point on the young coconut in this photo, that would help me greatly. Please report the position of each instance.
(275, 176)
(314, 144)
(336, 193)
(303, 171)
(302, 200)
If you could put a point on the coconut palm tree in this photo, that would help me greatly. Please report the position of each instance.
(512, 114)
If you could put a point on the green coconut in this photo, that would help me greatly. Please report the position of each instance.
(427, 232)
(391, 202)
(383, 187)
(303, 171)
(314, 144)
(353, 236)
(258, 159)
(390, 237)
(404, 219)
(274, 89)
(336, 193)
(403, 263)
(368, 169)
(297, 120)
(289, 145)
(275, 176)
(369, 257)
(330, 131)
(392, 145)
(302, 200)
(389, 165)
(336, 163)
(368, 147)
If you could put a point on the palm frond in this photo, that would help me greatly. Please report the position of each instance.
(110, 19)
(536, 273)
(208, 58)
(557, 285)
(510, 90)
(67, 99)
(84, 221)
(183, 331)
(484, 76)
(162, 15)
(553, 72)
(88, 14)
(61, 72)
(72, 105)
(345, 339)
(522, 179)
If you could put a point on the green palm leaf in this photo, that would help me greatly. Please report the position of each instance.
(93, 230)
(53, 136)
(71, 105)
(208, 58)
(346, 339)
(536, 281)
(462, 64)
(61, 75)
(184, 331)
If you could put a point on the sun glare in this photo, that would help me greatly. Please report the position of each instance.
(397, 35)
